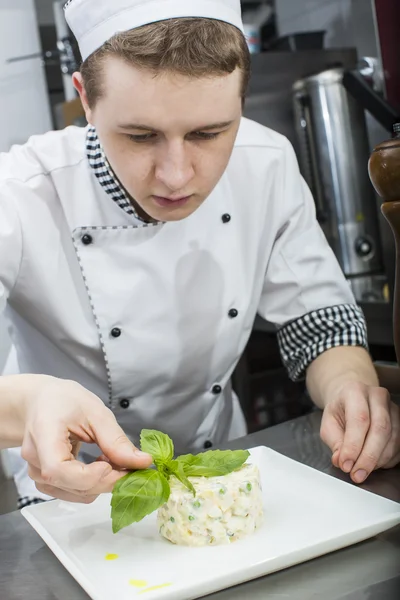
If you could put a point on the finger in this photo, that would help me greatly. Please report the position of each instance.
(105, 485)
(75, 475)
(115, 444)
(57, 463)
(75, 446)
(378, 435)
(395, 460)
(391, 455)
(55, 492)
(35, 474)
(357, 422)
(335, 458)
(332, 432)
(28, 451)
(105, 459)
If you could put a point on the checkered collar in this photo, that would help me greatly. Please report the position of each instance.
(105, 175)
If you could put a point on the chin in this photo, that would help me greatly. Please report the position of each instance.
(172, 214)
(175, 215)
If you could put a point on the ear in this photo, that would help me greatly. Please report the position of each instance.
(80, 88)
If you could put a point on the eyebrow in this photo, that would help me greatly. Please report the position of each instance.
(142, 127)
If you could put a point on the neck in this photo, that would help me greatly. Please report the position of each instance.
(137, 208)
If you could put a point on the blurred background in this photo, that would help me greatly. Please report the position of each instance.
(326, 74)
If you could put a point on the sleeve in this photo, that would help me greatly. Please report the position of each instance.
(10, 247)
(305, 293)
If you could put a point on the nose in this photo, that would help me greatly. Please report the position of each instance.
(174, 168)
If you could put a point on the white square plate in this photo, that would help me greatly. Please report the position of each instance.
(307, 514)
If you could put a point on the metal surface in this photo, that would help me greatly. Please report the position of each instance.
(368, 570)
(273, 74)
(334, 152)
(270, 103)
(64, 46)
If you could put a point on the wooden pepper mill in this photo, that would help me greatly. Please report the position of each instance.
(384, 172)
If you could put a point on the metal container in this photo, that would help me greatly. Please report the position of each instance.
(333, 155)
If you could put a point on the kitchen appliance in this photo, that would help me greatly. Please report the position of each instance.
(333, 152)
(24, 102)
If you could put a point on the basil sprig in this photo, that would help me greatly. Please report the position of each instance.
(137, 495)
(140, 493)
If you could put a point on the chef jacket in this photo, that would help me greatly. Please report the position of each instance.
(153, 317)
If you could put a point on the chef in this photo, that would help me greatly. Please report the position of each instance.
(135, 254)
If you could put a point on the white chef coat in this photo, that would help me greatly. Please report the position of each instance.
(75, 272)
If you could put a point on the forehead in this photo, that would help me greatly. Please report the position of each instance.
(130, 92)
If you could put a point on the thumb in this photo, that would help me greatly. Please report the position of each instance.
(332, 434)
(116, 446)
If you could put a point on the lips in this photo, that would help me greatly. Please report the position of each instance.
(171, 202)
(172, 199)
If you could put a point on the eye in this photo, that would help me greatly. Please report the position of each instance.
(146, 137)
(203, 135)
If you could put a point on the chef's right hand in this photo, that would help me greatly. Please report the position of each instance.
(60, 415)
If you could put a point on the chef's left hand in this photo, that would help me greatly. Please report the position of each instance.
(361, 426)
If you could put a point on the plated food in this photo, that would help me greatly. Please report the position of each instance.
(225, 509)
(210, 498)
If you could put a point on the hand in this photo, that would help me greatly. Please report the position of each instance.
(361, 426)
(59, 416)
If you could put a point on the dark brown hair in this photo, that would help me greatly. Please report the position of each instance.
(194, 47)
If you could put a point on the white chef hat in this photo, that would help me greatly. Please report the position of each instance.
(94, 22)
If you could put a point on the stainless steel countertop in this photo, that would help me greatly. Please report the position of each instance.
(370, 570)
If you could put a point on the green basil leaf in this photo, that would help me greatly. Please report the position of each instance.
(163, 468)
(137, 495)
(158, 444)
(213, 462)
(176, 469)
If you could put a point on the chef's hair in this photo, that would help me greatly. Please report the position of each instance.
(194, 47)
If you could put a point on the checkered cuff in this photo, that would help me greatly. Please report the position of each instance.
(28, 501)
(303, 340)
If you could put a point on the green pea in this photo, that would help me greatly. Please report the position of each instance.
(249, 487)
(222, 491)
(196, 504)
(191, 518)
(172, 520)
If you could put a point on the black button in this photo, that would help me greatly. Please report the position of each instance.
(87, 239)
(116, 332)
(217, 389)
(124, 403)
(233, 313)
(226, 218)
(207, 445)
